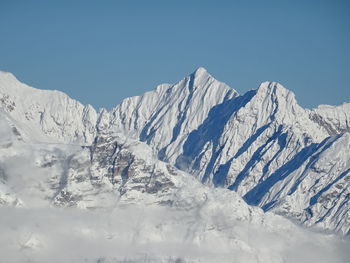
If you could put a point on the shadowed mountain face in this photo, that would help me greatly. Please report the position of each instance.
(261, 144)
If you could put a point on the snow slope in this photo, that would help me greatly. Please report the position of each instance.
(47, 115)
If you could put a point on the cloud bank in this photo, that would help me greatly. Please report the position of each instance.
(154, 234)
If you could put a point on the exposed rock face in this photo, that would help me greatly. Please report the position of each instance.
(261, 144)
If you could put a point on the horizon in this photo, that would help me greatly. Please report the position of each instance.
(100, 54)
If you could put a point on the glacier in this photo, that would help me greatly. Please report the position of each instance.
(215, 166)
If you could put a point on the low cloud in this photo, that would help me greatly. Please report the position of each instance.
(153, 234)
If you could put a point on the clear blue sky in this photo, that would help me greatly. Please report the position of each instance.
(100, 52)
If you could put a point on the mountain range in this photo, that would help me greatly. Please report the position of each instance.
(179, 145)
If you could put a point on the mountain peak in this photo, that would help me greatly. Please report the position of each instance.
(271, 88)
(201, 73)
(203, 79)
(271, 85)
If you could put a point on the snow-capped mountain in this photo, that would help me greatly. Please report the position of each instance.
(261, 144)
